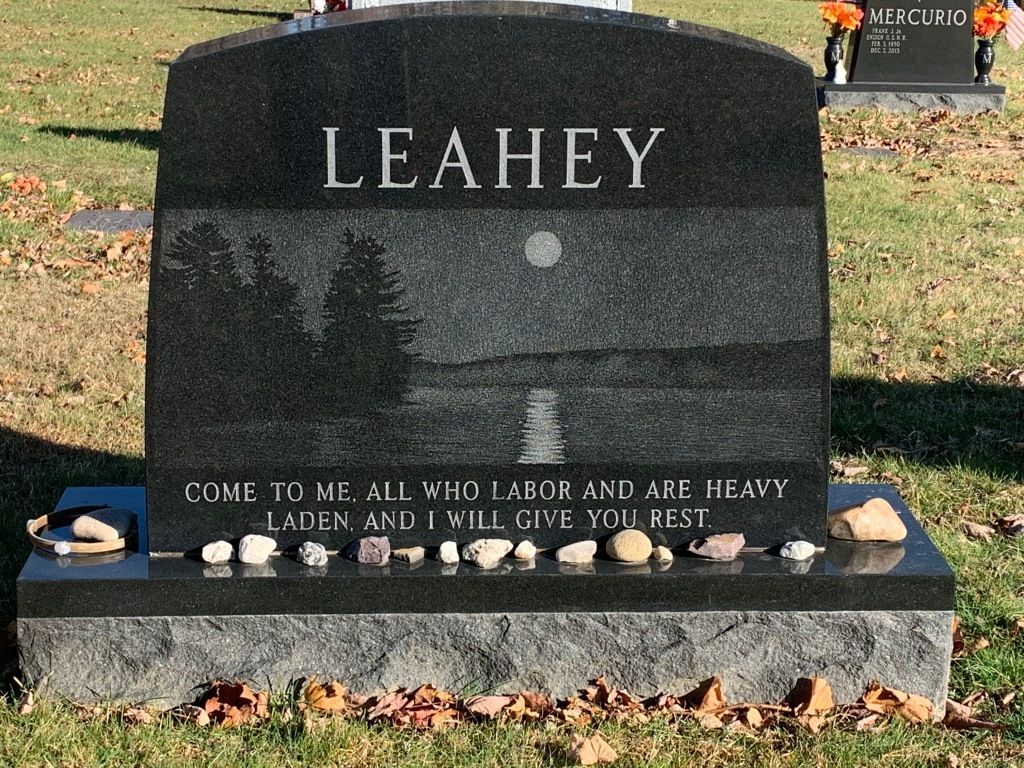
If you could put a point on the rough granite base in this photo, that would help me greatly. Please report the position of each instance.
(758, 654)
(906, 98)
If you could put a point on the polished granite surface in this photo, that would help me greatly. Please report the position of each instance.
(911, 575)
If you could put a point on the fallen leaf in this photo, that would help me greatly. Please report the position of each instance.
(710, 722)
(959, 645)
(811, 695)
(325, 698)
(89, 288)
(232, 704)
(591, 750)
(27, 703)
(1011, 525)
(488, 706)
(978, 531)
(961, 717)
(812, 723)
(890, 701)
(707, 696)
(136, 716)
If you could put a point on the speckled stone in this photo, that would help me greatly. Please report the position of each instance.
(217, 552)
(486, 553)
(312, 554)
(720, 546)
(369, 550)
(629, 546)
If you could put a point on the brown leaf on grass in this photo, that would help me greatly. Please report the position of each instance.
(1007, 698)
(190, 713)
(535, 705)
(232, 704)
(707, 696)
(753, 718)
(27, 703)
(900, 376)
(811, 695)
(487, 707)
(961, 717)
(978, 645)
(325, 698)
(1011, 525)
(890, 701)
(387, 705)
(867, 723)
(937, 353)
(89, 288)
(813, 723)
(978, 531)
(136, 716)
(591, 750)
(1016, 627)
(709, 721)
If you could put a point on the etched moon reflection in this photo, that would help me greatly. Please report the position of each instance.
(542, 439)
(543, 249)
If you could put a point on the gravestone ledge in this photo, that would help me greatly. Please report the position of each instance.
(140, 628)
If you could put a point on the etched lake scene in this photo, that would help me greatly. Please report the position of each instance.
(484, 338)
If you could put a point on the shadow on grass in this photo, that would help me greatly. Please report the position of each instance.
(143, 137)
(33, 475)
(275, 15)
(977, 426)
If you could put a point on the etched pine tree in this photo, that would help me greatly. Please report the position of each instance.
(368, 327)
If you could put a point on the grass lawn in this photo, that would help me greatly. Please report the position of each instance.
(927, 265)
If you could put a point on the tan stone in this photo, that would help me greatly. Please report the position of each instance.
(107, 524)
(525, 551)
(629, 546)
(662, 554)
(409, 554)
(874, 520)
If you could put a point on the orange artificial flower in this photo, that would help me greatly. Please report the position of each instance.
(841, 18)
(990, 18)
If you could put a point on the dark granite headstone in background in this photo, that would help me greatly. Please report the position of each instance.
(477, 270)
(914, 41)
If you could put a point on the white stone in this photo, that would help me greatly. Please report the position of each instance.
(448, 553)
(62, 548)
(108, 524)
(796, 550)
(577, 553)
(312, 554)
(218, 552)
(486, 553)
(255, 549)
(662, 554)
(525, 551)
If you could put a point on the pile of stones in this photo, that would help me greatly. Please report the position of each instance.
(875, 520)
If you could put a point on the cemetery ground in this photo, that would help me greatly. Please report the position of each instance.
(926, 236)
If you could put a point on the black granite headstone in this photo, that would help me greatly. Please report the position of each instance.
(487, 269)
(914, 41)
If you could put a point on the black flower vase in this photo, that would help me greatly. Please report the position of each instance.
(984, 58)
(833, 55)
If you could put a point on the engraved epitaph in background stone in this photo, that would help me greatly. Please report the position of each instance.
(303, 336)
